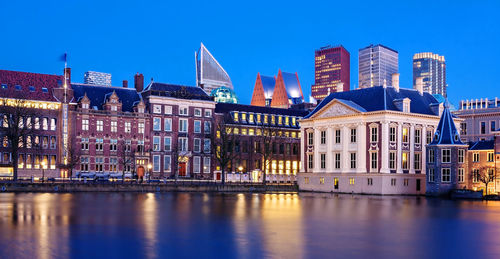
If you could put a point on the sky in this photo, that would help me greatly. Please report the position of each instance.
(159, 38)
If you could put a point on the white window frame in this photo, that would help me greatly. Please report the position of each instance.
(156, 123)
(448, 175)
(167, 122)
(196, 164)
(169, 147)
(446, 155)
(206, 164)
(199, 128)
(167, 161)
(183, 122)
(156, 143)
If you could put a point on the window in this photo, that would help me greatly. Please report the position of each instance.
(337, 160)
(323, 137)
(32, 88)
(100, 126)
(45, 123)
(446, 156)
(197, 126)
(490, 157)
(370, 181)
(492, 126)
(405, 135)
(483, 127)
(183, 125)
(392, 160)
(431, 156)
(417, 137)
(306, 180)
(406, 107)
(461, 177)
(463, 128)
(19, 88)
(374, 134)
(206, 146)
(353, 135)
(337, 136)
(475, 175)
(113, 144)
(207, 127)
(157, 109)
(183, 144)
(310, 160)
(168, 109)
(353, 160)
(322, 180)
(392, 134)
(323, 161)
(156, 163)
(114, 126)
(99, 164)
(417, 161)
(351, 181)
(167, 143)
(45, 90)
(156, 123)
(37, 123)
(4, 86)
(114, 108)
(167, 124)
(156, 143)
(251, 120)
(197, 145)
(461, 155)
(405, 182)
(85, 124)
(183, 111)
(431, 175)
(475, 157)
(445, 175)
(311, 138)
(429, 137)
(393, 181)
(206, 165)
(53, 142)
(140, 145)
(52, 124)
(128, 127)
(404, 160)
(197, 112)
(196, 164)
(99, 144)
(166, 163)
(84, 164)
(45, 142)
(374, 160)
(208, 113)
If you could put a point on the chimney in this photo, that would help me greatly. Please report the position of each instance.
(125, 84)
(419, 85)
(139, 82)
(67, 73)
(395, 81)
(340, 87)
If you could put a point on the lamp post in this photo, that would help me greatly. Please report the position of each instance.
(43, 171)
(149, 171)
(240, 168)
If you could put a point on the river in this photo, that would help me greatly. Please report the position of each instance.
(203, 225)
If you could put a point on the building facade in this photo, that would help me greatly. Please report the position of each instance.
(377, 64)
(331, 67)
(368, 140)
(210, 74)
(481, 119)
(432, 68)
(97, 78)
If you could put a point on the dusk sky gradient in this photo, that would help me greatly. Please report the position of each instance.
(159, 38)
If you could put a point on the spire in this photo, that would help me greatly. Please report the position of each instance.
(446, 131)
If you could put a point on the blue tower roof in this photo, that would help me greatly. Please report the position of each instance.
(446, 132)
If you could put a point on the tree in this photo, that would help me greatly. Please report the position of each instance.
(17, 124)
(267, 135)
(486, 175)
(127, 157)
(73, 159)
(223, 142)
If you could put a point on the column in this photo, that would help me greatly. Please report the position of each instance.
(345, 157)
(330, 159)
(361, 147)
(317, 141)
(302, 149)
(384, 154)
(399, 149)
(424, 150)
(411, 157)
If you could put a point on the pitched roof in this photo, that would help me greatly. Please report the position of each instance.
(380, 98)
(292, 85)
(176, 91)
(482, 145)
(446, 133)
(29, 86)
(228, 107)
(99, 94)
(268, 83)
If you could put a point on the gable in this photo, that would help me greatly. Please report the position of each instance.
(334, 109)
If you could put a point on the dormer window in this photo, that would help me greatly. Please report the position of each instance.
(250, 118)
(436, 135)
(243, 116)
(85, 105)
(114, 108)
(406, 106)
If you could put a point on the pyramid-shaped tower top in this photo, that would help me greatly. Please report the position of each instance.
(446, 131)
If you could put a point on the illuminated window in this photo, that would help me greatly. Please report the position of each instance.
(85, 124)
(351, 181)
(258, 118)
(250, 118)
(100, 125)
(243, 116)
(405, 135)
(404, 160)
(322, 180)
(235, 116)
(306, 180)
(114, 126)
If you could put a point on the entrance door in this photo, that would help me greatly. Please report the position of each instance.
(418, 185)
(182, 169)
(218, 175)
(140, 172)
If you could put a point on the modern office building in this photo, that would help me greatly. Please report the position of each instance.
(481, 118)
(331, 67)
(377, 64)
(432, 68)
(210, 74)
(97, 78)
(281, 91)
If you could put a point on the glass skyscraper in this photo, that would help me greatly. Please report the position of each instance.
(432, 68)
(331, 66)
(377, 63)
(97, 78)
(210, 75)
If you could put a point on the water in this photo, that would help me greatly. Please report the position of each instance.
(200, 225)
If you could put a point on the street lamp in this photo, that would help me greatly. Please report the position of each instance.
(149, 170)
(240, 168)
(43, 171)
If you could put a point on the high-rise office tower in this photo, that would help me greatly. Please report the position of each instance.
(97, 78)
(210, 75)
(331, 67)
(432, 68)
(377, 63)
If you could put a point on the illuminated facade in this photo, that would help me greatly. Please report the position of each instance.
(281, 91)
(224, 95)
(432, 68)
(377, 64)
(481, 118)
(368, 140)
(331, 67)
(210, 74)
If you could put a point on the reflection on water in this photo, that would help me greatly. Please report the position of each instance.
(186, 225)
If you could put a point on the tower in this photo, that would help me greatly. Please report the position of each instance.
(376, 64)
(331, 67)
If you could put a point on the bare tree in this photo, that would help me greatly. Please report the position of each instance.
(486, 175)
(73, 159)
(223, 142)
(127, 157)
(267, 135)
(17, 123)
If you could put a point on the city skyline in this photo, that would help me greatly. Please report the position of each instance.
(242, 56)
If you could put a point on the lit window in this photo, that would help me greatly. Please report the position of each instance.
(322, 180)
(404, 160)
(405, 135)
(85, 124)
(100, 126)
(114, 126)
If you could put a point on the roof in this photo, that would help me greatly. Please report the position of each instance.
(176, 91)
(29, 86)
(446, 133)
(99, 94)
(380, 98)
(482, 145)
(228, 107)
(379, 45)
(268, 83)
(292, 85)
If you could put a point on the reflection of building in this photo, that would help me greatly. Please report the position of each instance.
(224, 95)
(281, 91)
(209, 73)
(97, 78)
(432, 68)
(368, 140)
(331, 66)
(481, 118)
(377, 64)
(249, 123)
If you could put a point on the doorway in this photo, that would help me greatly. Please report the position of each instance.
(182, 169)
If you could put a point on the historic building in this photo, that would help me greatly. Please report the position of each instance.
(368, 140)
(281, 91)
(482, 158)
(331, 67)
(262, 133)
(481, 118)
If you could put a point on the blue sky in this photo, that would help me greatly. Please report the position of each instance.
(159, 38)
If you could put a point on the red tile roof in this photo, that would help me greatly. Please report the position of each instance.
(32, 85)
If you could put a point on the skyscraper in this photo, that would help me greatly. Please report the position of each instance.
(432, 68)
(377, 63)
(331, 67)
(97, 78)
(210, 74)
